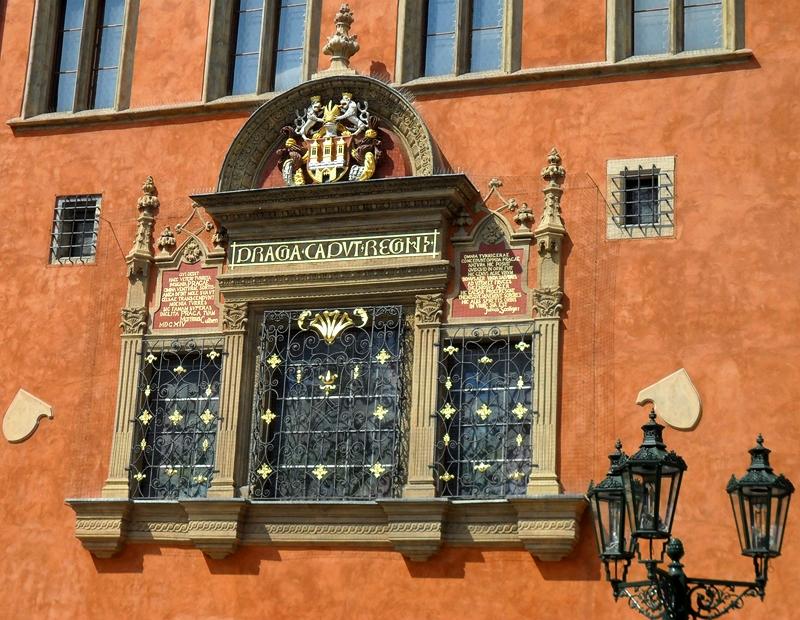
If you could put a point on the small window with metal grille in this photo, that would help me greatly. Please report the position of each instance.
(329, 418)
(641, 196)
(75, 224)
(485, 410)
(176, 419)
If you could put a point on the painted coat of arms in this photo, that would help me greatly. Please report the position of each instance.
(338, 141)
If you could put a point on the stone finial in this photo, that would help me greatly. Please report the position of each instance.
(553, 172)
(342, 45)
(140, 252)
(149, 198)
(551, 226)
(166, 242)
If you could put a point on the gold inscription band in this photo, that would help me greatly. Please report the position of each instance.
(350, 248)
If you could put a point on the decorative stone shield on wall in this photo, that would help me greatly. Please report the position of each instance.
(491, 274)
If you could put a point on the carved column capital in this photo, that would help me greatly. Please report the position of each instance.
(234, 316)
(429, 309)
(548, 302)
(134, 321)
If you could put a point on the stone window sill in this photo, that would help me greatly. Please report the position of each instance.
(547, 526)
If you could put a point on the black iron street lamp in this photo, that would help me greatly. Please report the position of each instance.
(634, 507)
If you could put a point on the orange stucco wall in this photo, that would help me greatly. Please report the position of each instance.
(720, 299)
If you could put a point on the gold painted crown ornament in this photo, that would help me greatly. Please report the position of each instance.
(334, 142)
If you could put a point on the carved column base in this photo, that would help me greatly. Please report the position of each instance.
(548, 527)
(115, 488)
(221, 488)
(543, 483)
(415, 527)
(100, 524)
(214, 525)
(419, 489)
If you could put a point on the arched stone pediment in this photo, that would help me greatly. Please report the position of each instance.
(261, 135)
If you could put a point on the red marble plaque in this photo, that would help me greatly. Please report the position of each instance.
(188, 298)
(490, 283)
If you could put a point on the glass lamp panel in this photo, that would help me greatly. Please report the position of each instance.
(780, 509)
(758, 511)
(668, 499)
(738, 510)
(702, 25)
(647, 514)
(597, 520)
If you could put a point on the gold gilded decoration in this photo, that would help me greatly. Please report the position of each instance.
(171, 471)
(446, 477)
(264, 471)
(330, 323)
(520, 410)
(356, 372)
(446, 438)
(328, 382)
(145, 417)
(448, 383)
(484, 411)
(208, 390)
(179, 370)
(520, 439)
(147, 391)
(142, 444)
(207, 417)
(268, 416)
(139, 476)
(150, 358)
(383, 356)
(274, 361)
(522, 345)
(482, 467)
(337, 141)
(320, 471)
(212, 355)
(380, 412)
(447, 411)
(485, 360)
(175, 417)
(200, 479)
(377, 470)
(298, 375)
(517, 476)
(520, 382)
(205, 445)
(450, 349)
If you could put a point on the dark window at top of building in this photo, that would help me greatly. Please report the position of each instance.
(289, 44)
(246, 29)
(440, 37)
(702, 24)
(75, 223)
(67, 60)
(696, 24)
(486, 35)
(651, 27)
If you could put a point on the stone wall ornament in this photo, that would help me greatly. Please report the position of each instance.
(234, 316)
(551, 227)
(338, 141)
(192, 252)
(342, 45)
(22, 416)
(429, 309)
(166, 242)
(548, 302)
(134, 321)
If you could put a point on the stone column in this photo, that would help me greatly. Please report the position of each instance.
(234, 322)
(134, 325)
(427, 319)
(549, 235)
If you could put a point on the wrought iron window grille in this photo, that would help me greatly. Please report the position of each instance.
(74, 235)
(642, 198)
(177, 418)
(485, 410)
(330, 416)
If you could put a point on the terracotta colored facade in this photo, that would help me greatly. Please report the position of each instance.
(720, 299)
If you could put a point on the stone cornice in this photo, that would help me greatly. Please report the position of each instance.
(547, 526)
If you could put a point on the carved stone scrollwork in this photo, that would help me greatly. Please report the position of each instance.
(134, 321)
(192, 252)
(548, 303)
(234, 316)
(429, 308)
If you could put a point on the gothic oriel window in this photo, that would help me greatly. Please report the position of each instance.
(74, 234)
(329, 409)
(267, 43)
(176, 420)
(485, 410)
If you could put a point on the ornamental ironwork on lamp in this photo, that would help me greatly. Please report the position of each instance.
(634, 507)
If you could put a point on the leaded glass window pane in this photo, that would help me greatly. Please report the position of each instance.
(702, 24)
(486, 35)
(107, 53)
(329, 411)
(69, 44)
(650, 27)
(484, 410)
(440, 37)
(289, 50)
(176, 419)
(247, 47)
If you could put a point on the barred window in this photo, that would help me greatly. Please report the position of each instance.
(75, 224)
(485, 410)
(641, 198)
(177, 418)
(329, 414)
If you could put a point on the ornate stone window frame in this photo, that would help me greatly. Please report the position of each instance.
(619, 43)
(38, 80)
(218, 49)
(665, 227)
(411, 40)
